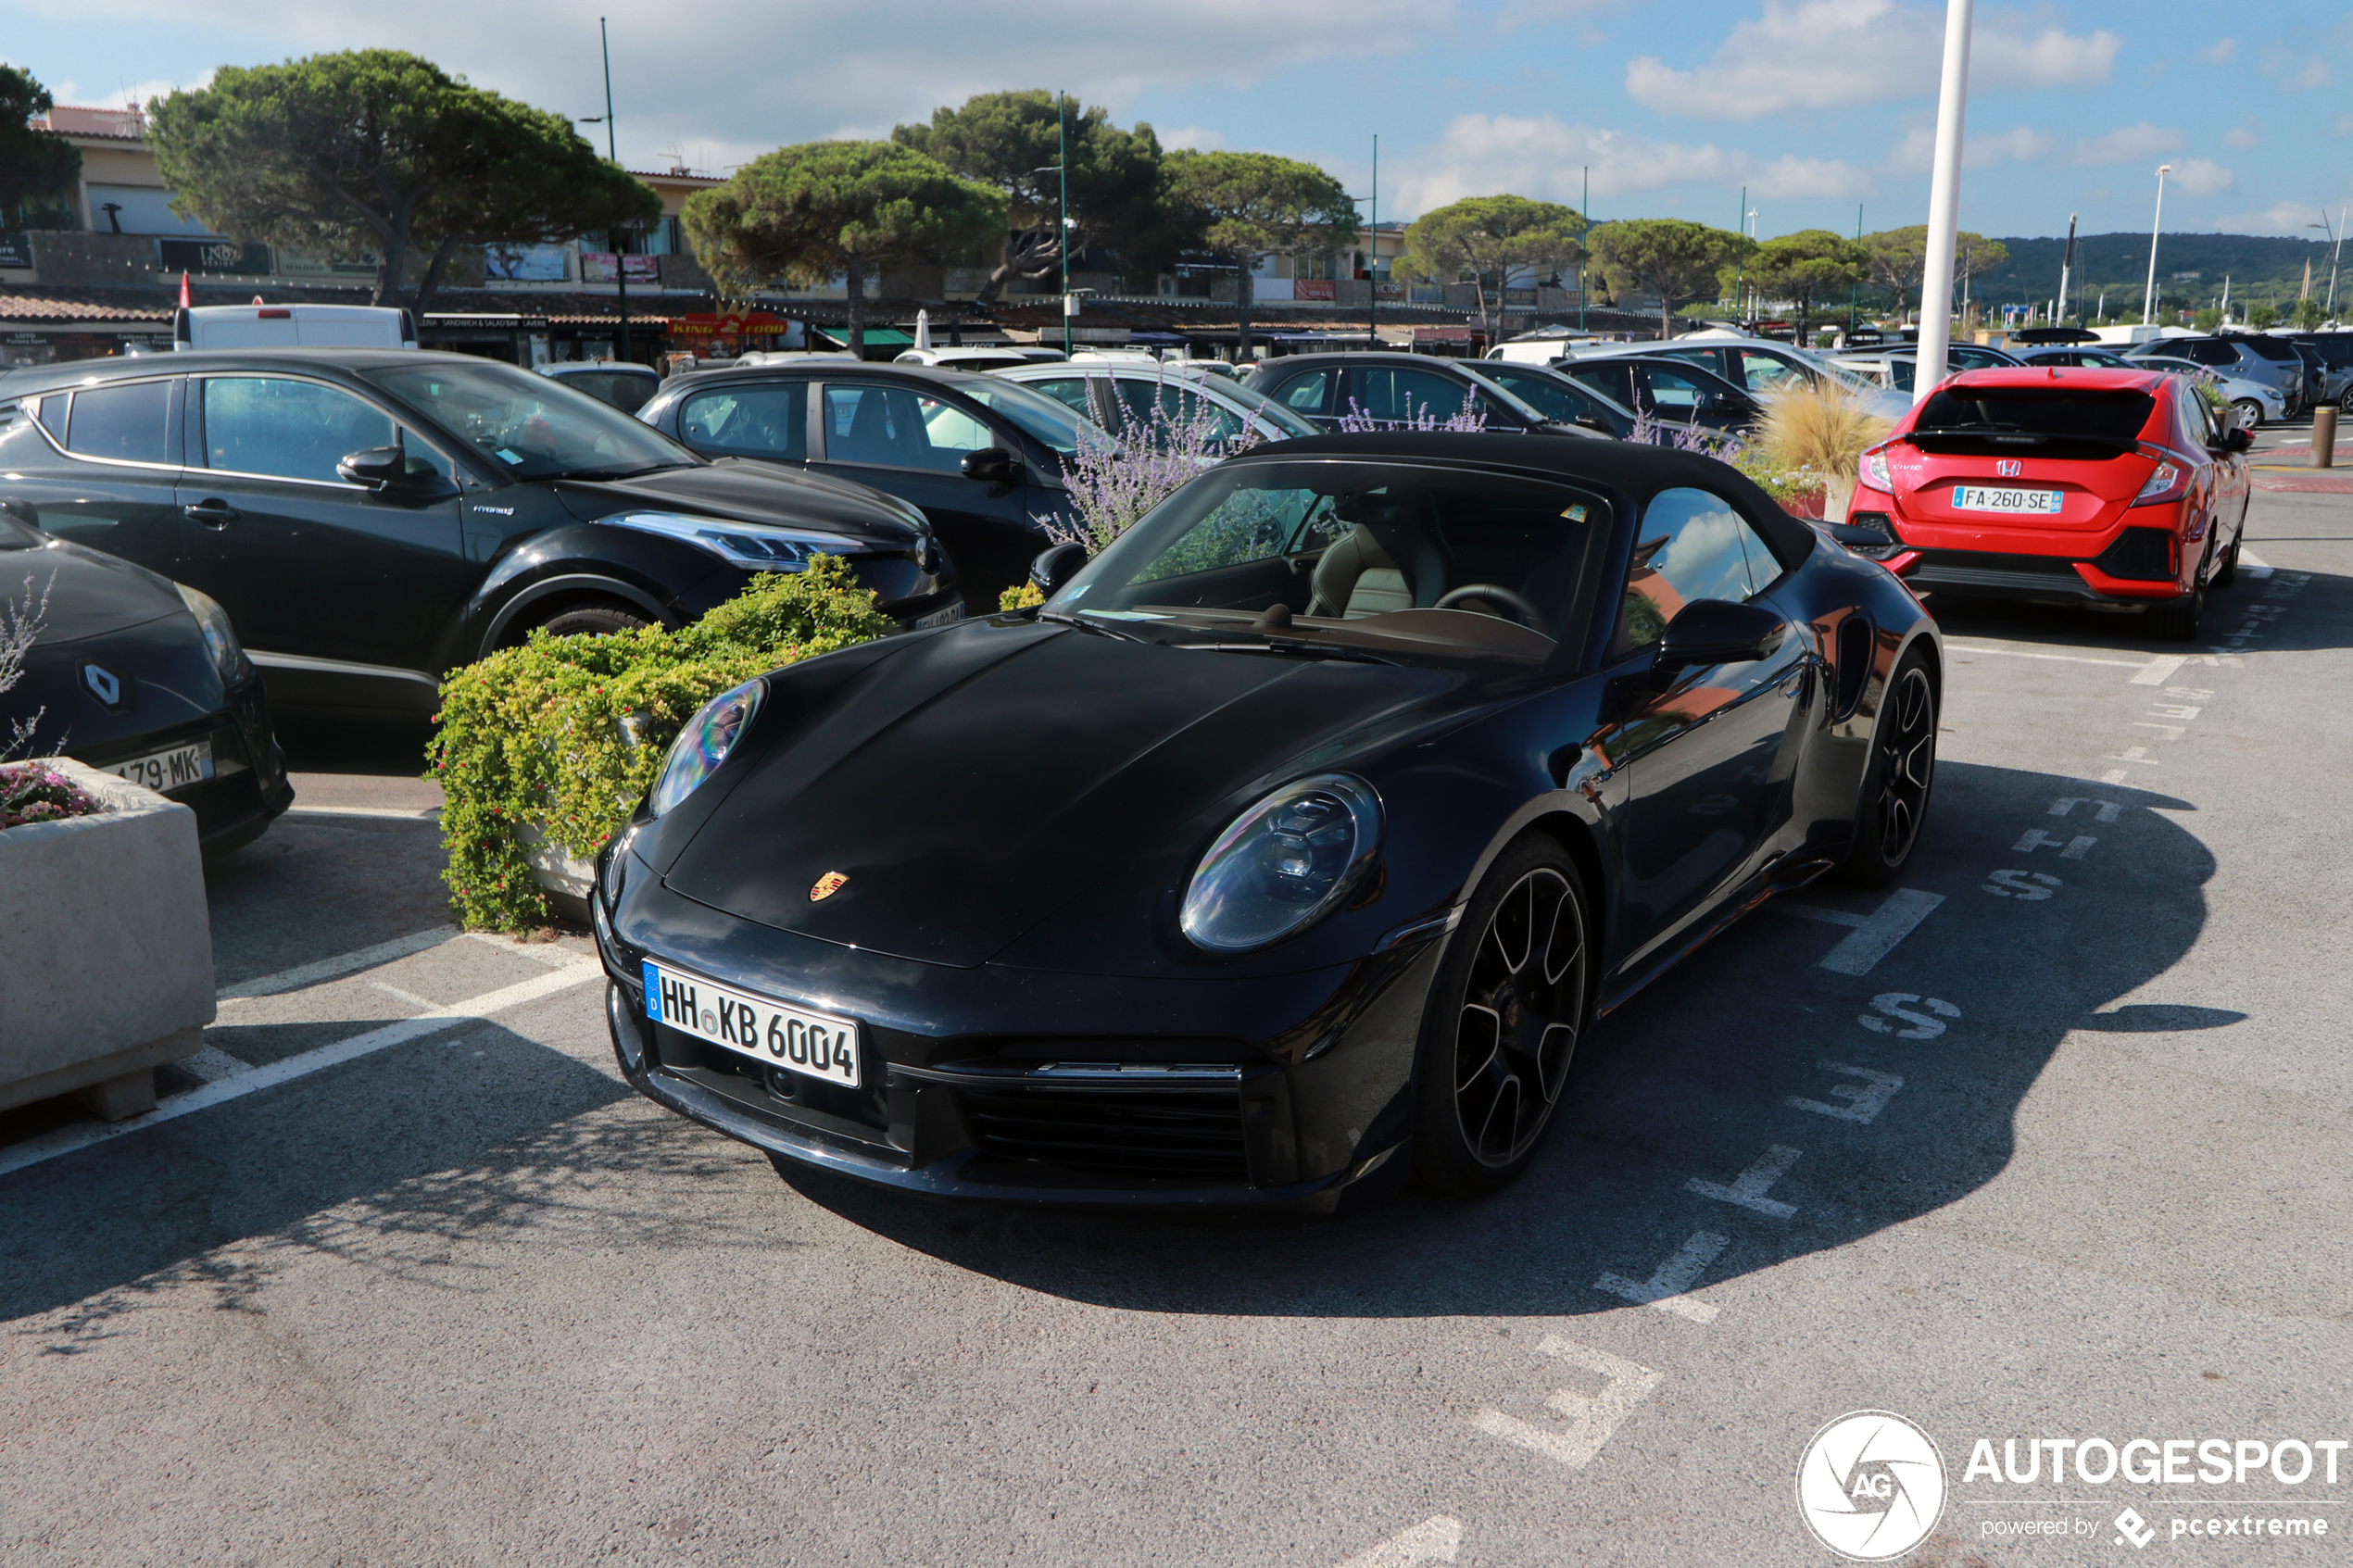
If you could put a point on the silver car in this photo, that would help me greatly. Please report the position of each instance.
(2249, 355)
(2252, 401)
(1118, 393)
(1761, 365)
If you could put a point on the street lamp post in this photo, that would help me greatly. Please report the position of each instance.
(1062, 159)
(2336, 231)
(620, 269)
(2156, 224)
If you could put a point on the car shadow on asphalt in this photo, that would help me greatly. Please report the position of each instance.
(391, 1164)
(2253, 613)
(1750, 1052)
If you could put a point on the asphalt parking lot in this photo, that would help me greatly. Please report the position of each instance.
(2052, 1142)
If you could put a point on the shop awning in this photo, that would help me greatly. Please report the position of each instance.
(877, 337)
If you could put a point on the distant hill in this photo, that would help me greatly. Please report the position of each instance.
(2261, 267)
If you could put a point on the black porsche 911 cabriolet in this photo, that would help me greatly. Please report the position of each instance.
(1292, 843)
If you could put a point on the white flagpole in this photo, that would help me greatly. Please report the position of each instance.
(1944, 204)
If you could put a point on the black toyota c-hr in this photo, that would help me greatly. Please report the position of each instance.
(372, 520)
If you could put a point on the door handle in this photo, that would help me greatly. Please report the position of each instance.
(212, 512)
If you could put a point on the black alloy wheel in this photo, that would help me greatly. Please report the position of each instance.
(599, 618)
(1896, 785)
(1505, 1016)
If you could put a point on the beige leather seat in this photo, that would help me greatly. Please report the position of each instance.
(1357, 578)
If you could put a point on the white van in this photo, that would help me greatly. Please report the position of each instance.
(293, 326)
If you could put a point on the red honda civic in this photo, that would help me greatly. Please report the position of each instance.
(2116, 490)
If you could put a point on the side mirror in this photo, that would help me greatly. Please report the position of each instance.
(1056, 565)
(2238, 438)
(22, 510)
(1717, 631)
(992, 465)
(378, 468)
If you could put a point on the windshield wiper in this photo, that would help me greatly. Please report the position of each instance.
(630, 472)
(1314, 650)
(1070, 618)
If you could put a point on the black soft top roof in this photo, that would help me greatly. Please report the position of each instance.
(1634, 468)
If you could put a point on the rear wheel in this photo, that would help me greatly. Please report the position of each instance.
(1896, 783)
(1506, 1015)
(2249, 411)
(2228, 572)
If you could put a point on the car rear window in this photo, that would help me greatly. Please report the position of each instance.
(2272, 348)
(2334, 347)
(2118, 415)
(126, 423)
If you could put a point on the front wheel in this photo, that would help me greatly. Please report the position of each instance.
(1894, 806)
(2249, 411)
(1505, 1018)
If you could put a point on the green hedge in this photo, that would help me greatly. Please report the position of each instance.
(565, 734)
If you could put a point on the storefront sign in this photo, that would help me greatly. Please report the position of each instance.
(1312, 288)
(15, 250)
(758, 324)
(525, 264)
(1444, 334)
(603, 267)
(486, 323)
(212, 256)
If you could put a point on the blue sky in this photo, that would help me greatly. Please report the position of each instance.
(1814, 106)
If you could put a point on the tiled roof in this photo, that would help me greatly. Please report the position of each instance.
(77, 305)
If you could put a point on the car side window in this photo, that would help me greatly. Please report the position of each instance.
(1310, 392)
(1691, 545)
(763, 421)
(1400, 393)
(1069, 391)
(1610, 381)
(1670, 391)
(288, 429)
(2213, 354)
(1177, 405)
(127, 423)
(1763, 372)
(2195, 420)
(893, 427)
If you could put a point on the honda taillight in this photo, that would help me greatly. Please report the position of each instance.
(2169, 481)
(1875, 471)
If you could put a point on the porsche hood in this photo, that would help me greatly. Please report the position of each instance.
(968, 787)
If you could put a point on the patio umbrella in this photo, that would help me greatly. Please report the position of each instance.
(923, 328)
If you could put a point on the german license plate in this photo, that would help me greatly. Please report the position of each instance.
(942, 617)
(166, 771)
(1987, 498)
(774, 1034)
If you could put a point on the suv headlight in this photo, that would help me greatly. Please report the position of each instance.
(1284, 864)
(219, 637)
(762, 546)
(704, 743)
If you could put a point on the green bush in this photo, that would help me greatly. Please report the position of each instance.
(565, 735)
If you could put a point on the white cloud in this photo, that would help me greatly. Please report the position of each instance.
(1801, 55)
(1193, 137)
(2222, 51)
(2314, 74)
(1538, 155)
(1917, 150)
(2280, 217)
(2201, 177)
(133, 94)
(832, 66)
(2241, 138)
(2127, 144)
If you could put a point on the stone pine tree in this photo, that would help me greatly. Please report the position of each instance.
(808, 214)
(1804, 269)
(36, 167)
(1672, 258)
(1896, 260)
(1240, 206)
(1011, 142)
(379, 154)
(1489, 238)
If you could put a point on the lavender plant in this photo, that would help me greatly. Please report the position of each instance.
(1468, 420)
(21, 622)
(1114, 483)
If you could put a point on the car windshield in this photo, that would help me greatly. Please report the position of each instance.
(1038, 415)
(532, 426)
(2112, 415)
(1844, 376)
(1553, 396)
(1387, 558)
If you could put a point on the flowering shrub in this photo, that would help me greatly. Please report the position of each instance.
(1112, 484)
(1468, 420)
(563, 736)
(20, 623)
(31, 793)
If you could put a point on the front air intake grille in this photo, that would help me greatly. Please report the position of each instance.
(2139, 555)
(1182, 1135)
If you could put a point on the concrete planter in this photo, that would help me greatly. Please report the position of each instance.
(105, 949)
(568, 880)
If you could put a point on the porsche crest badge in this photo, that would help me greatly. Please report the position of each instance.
(827, 886)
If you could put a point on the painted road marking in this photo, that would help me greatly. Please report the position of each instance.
(1748, 1188)
(406, 814)
(2134, 753)
(412, 997)
(1434, 1540)
(1924, 1026)
(2064, 657)
(294, 979)
(1664, 1289)
(2106, 812)
(2170, 732)
(67, 1140)
(1592, 1419)
(211, 1064)
(1873, 935)
(2253, 564)
(2158, 670)
(1865, 1100)
(2030, 888)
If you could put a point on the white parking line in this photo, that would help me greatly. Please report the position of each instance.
(1748, 1188)
(67, 1140)
(1874, 936)
(1434, 1540)
(1665, 1289)
(294, 979)
(1592, 1420)
(400, 813)
(2061, 657)
(2253, 564)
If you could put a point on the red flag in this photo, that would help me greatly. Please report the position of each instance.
(183, 290)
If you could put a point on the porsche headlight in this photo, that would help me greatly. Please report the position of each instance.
(219, 637)
(1284, 864)
(762, 546)
(704, 743)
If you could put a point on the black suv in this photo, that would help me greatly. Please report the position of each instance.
(372, 520)
(1399, 389)
(981, 456)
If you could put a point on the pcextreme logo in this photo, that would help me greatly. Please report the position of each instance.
(1871, 1486)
